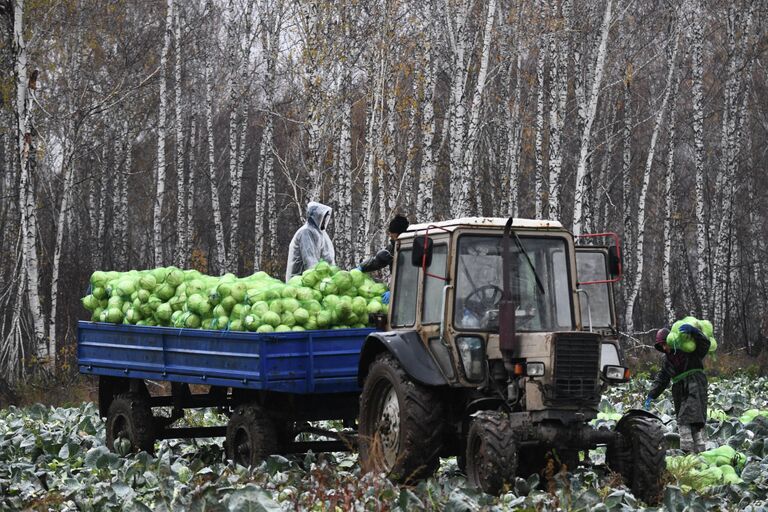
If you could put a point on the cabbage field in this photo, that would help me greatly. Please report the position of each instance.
(55, 459)
(322, 297)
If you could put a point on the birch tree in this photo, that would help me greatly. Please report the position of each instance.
(469, 172)
(586, 136)
(641, 215)
(426, 183)
(161, 127)
(271, 16)
(221, 252)
(29, 281)
(697, 74)
(668, 239)
(457, 23)
(182, 242)
(557, 104)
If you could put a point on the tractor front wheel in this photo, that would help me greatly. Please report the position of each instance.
(491, 452)
(639, 456)
(401, 423)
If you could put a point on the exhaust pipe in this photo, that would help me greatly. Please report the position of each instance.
(507, 304)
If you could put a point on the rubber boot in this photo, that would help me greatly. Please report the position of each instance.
(699, 440)
(686, 438)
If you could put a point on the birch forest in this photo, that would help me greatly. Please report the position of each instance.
(136, 134)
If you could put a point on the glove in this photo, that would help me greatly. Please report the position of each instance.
(360, 268)
(647, 403)
(385, 297)
(688, 329)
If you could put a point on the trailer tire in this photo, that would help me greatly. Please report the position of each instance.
(639, 456)
(390, 398)
(130, 417)
(491, 452)
(251, 436)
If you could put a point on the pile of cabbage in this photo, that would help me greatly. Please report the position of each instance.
(718, 466)
(322, 297)
(681, 341)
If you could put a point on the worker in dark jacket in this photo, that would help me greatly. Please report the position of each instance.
(685, 370)
(384, 258)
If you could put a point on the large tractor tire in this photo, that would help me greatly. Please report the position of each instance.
(251, 436)
(639, 456)
(130, 425)
(401, 423)
(491, 452)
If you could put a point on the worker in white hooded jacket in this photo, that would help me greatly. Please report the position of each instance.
(311, 242)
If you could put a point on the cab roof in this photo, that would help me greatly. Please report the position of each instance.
(480, 222)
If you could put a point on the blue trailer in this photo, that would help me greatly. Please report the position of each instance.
(271, 385)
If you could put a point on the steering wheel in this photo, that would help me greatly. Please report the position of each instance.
(483, 299)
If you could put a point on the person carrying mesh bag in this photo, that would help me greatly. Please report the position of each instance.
(684, 369)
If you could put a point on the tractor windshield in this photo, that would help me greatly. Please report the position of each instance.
(479, 284)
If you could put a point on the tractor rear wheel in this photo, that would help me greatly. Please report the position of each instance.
(401, 423)
(251, 435)
(639, 456)
(491, 452)
(130, 425)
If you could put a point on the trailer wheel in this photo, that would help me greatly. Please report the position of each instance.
(639, 456)
(130, 425)
(251, 435)
(401, 423)
(491, 452)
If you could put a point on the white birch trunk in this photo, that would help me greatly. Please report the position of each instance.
(697, 90)
(538, 148)
(120, 202)
(409, 184)
(640, 220)
(586, 137)
(424, 202)
(182, 243)
(388, 175)
(739, 86)
(469, 171)
(458, 183)
(373, 141)
(161, 127)
(189, 223)
(101, 230)
(271, 20)
(67, 171)
(558, 98)
(669, 195)
(27, 204)
(221, 252)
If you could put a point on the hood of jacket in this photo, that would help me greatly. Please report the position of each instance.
(318, 214)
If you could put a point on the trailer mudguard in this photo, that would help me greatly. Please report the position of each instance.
(410, 352)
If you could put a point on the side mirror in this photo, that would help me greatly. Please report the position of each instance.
(422, 246)
(614, 261)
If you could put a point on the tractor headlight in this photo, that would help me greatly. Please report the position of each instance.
(472, 355)
(615, 373)
(534, 369)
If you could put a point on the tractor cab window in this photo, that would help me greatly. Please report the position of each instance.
(433, 286)
(591, 266)
(406, 288)
(539, 283)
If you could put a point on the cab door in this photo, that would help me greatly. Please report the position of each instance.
(596, 296)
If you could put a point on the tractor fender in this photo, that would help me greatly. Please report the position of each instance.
(410, 352)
